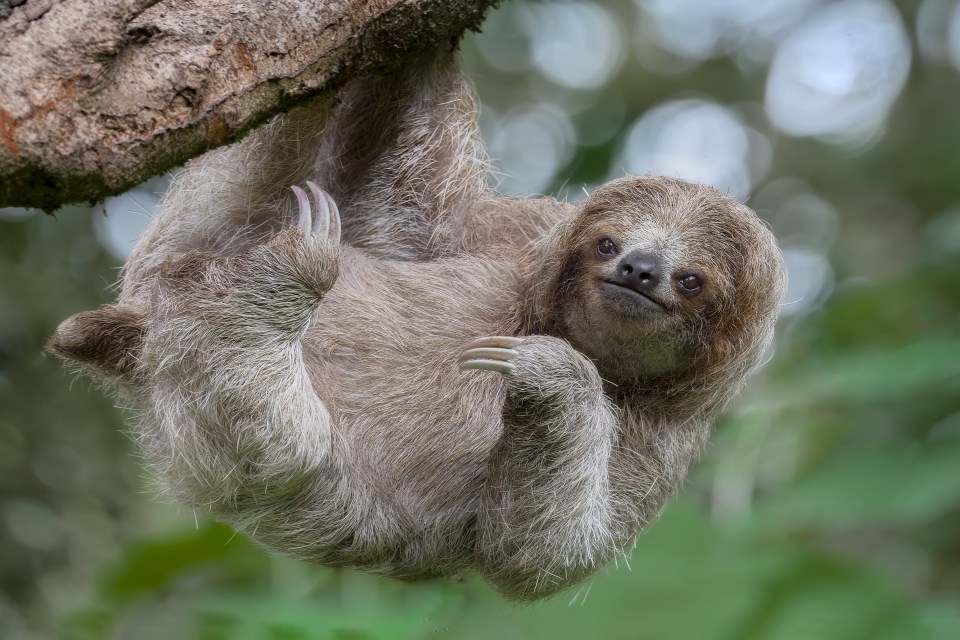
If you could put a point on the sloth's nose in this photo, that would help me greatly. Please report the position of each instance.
(640, 270)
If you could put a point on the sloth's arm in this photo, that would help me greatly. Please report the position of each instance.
(403, 157)
(574, 478)
(547, 516)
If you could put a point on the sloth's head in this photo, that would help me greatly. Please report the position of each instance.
(657, 277)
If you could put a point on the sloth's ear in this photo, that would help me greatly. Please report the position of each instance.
(105, 342)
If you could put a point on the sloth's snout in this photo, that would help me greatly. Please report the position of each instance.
(640, 270)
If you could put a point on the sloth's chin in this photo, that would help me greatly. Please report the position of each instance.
(629, 300)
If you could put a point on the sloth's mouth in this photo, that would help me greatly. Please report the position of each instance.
(638, 297)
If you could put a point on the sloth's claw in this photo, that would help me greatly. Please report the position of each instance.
(326, 222)
(504, 342)
(335, 226)
(492, 353)
(330, 206)
(305, 217)
(322, 226)
(488, 365)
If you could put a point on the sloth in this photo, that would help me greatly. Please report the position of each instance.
(405, 373)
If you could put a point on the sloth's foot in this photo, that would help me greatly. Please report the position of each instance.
(492, 353)
(277, 284)
(305, 256)
(285, 278)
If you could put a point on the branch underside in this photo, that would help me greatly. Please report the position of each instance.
(96, 96)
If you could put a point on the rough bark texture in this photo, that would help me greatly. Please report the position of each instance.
(99, 95)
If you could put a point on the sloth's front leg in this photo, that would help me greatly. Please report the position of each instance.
(230, 414)
(544, 521)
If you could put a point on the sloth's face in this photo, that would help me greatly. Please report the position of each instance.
(637, 274)
(654, 271)
(644, 293)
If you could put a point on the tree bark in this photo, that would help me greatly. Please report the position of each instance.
(98, 95)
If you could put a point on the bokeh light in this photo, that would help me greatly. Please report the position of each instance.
(839, 73)
(953, 36)
(700, 29)
(942, 234)
(809, 278)
(806, 227)
(575, 44)
(695, 140)
(529, 145)
(506, 46)
(933, 26)
(124, 218)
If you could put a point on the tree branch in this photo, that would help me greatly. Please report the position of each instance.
(98, 95)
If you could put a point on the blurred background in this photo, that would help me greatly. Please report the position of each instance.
(828, 504)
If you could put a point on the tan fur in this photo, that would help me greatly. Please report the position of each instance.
(310, 394)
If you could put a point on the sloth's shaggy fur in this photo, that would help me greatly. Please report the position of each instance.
(309, 393)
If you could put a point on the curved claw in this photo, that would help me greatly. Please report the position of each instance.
(492, 353)
(335, 227)
(323, 210)
(488, 365)
(504, 342)
(326, 203)
(305, 217)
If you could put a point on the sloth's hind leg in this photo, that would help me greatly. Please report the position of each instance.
(278, 282)
(231, 420)
(267, 293)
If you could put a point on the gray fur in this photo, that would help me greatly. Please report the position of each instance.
(310, 393)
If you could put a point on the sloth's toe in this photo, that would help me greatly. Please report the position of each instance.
(492, 353)
(327, 212)
(304, 214)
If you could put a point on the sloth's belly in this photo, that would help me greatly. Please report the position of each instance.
(413, 432)
(415, 474)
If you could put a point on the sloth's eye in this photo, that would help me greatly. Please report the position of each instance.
(690, 283)
(607, 247)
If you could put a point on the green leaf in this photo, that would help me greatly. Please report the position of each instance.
(152, 566)
(885, 486)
